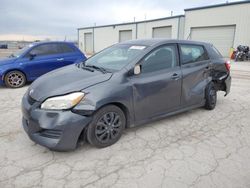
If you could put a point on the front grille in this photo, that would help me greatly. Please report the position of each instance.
(49, 133)
(31, 101)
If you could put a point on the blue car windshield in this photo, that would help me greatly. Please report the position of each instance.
(21, 51)
(115, 57)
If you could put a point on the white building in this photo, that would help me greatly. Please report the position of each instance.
(225, 25)
(94, 39)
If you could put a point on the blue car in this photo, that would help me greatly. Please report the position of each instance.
(35, 60)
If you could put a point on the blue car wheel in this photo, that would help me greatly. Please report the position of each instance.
(15, 79)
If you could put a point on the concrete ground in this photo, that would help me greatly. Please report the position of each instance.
(198, 148)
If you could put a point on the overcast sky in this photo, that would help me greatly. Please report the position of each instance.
(39, 19)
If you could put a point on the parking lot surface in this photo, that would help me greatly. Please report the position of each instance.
(198, 148)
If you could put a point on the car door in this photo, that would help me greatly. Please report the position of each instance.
(42, 59)
(195, 66)
(68, 55)
(157, 89)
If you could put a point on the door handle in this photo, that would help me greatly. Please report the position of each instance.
(175, 76)
(60, 59)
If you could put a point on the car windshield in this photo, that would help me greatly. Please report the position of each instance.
(21, 51)
(115, 57)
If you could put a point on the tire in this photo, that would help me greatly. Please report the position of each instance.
(236, 59)
(244, 58)
(210, 96)
(15, 79)
(106, 127)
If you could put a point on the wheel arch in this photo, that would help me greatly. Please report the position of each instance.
(124, 109)
(120, 105)
(9, 70)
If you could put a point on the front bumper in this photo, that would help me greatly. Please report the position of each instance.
(56, 130)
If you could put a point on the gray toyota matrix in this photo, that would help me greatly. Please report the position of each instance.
(125, 85)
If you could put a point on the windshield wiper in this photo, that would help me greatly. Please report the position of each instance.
(82, 66)
(91, 67)
(103, 70)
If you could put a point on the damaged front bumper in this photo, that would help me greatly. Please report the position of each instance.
(56, 130)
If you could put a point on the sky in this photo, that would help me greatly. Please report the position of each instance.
(59, 19)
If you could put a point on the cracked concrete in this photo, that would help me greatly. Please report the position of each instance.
(198, 148)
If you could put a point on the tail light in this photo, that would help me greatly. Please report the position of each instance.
(228, 65)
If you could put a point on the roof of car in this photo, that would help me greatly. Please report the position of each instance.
(152, 42)
(50, 42)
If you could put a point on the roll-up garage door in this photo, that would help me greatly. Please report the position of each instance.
(88, 42)
(125, 35)
(222, 37)
(162, 32)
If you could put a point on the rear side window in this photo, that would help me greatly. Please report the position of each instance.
(216, 52)
(65, 48)
(192, 53)
(160, 58)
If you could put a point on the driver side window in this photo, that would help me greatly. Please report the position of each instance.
(163, 57)
(45, 49)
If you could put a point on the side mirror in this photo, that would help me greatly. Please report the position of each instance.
(137, 69)
(32, 56)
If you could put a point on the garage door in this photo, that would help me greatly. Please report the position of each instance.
(162, 32)
(125, 35)
(221, 37)
(88, 42)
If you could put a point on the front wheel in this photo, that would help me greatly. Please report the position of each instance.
(15, 79)
(210, 96)
(106, 127)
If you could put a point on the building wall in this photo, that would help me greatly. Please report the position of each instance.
(234, 14)
(181, 23)
(238, 15)
(145, 29)
(81, 38)
(108, 35)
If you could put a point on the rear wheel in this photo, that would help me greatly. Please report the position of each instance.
(211, 96)
(106, 127)
(15, 79)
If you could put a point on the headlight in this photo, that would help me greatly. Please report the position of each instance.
(63, 102)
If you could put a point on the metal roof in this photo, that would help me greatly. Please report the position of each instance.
(128, 23)
(170, 17)
(218, 5)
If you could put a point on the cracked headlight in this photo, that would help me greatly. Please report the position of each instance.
(62, 102)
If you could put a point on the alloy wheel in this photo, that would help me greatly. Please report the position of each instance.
(108, 127)
(15, 79)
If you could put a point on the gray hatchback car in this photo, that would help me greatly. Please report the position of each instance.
(123, 86)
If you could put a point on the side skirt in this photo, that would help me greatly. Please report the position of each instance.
(162, 116)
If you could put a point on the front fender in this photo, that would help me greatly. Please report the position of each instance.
(87, 107)
(106, 93)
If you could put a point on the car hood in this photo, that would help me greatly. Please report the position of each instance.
(65, 80)
(5, 61)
